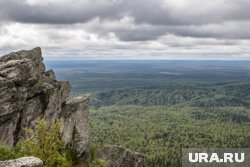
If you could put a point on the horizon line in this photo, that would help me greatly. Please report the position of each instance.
(146, 59)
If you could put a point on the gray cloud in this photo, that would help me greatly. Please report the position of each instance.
(111, 27)
(142, 32)
(67, 12)
(151, 18)
(155, 12)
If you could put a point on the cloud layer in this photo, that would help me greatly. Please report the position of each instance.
(128, 29)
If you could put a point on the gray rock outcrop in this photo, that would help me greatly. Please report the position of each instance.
(119, 156)
(28, 92)
(22, 162)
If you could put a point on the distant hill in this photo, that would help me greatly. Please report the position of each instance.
(204, 95)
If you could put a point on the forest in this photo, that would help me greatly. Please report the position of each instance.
(159, 107)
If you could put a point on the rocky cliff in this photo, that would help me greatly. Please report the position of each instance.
(28, 92)
(119, 156)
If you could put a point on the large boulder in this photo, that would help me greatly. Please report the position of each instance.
(119, 156)
(28, 92)
(22, 162)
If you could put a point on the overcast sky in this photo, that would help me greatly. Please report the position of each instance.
(127, 29)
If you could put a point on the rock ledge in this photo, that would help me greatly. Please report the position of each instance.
(122, 157)
(22, 162)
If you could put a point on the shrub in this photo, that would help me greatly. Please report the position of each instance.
(93, 160)
(45, 142)
(6, 152)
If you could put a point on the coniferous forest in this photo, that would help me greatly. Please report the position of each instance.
(159, 107)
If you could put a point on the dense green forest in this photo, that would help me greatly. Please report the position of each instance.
(159, 122)
(160, 132)
(158, 108)
(196, 95)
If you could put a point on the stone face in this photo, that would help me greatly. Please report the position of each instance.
(74, 121)
(28, 92)
(22, 162)
(122, 157)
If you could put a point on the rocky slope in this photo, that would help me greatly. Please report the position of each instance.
(119, 156)
(28, 92)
